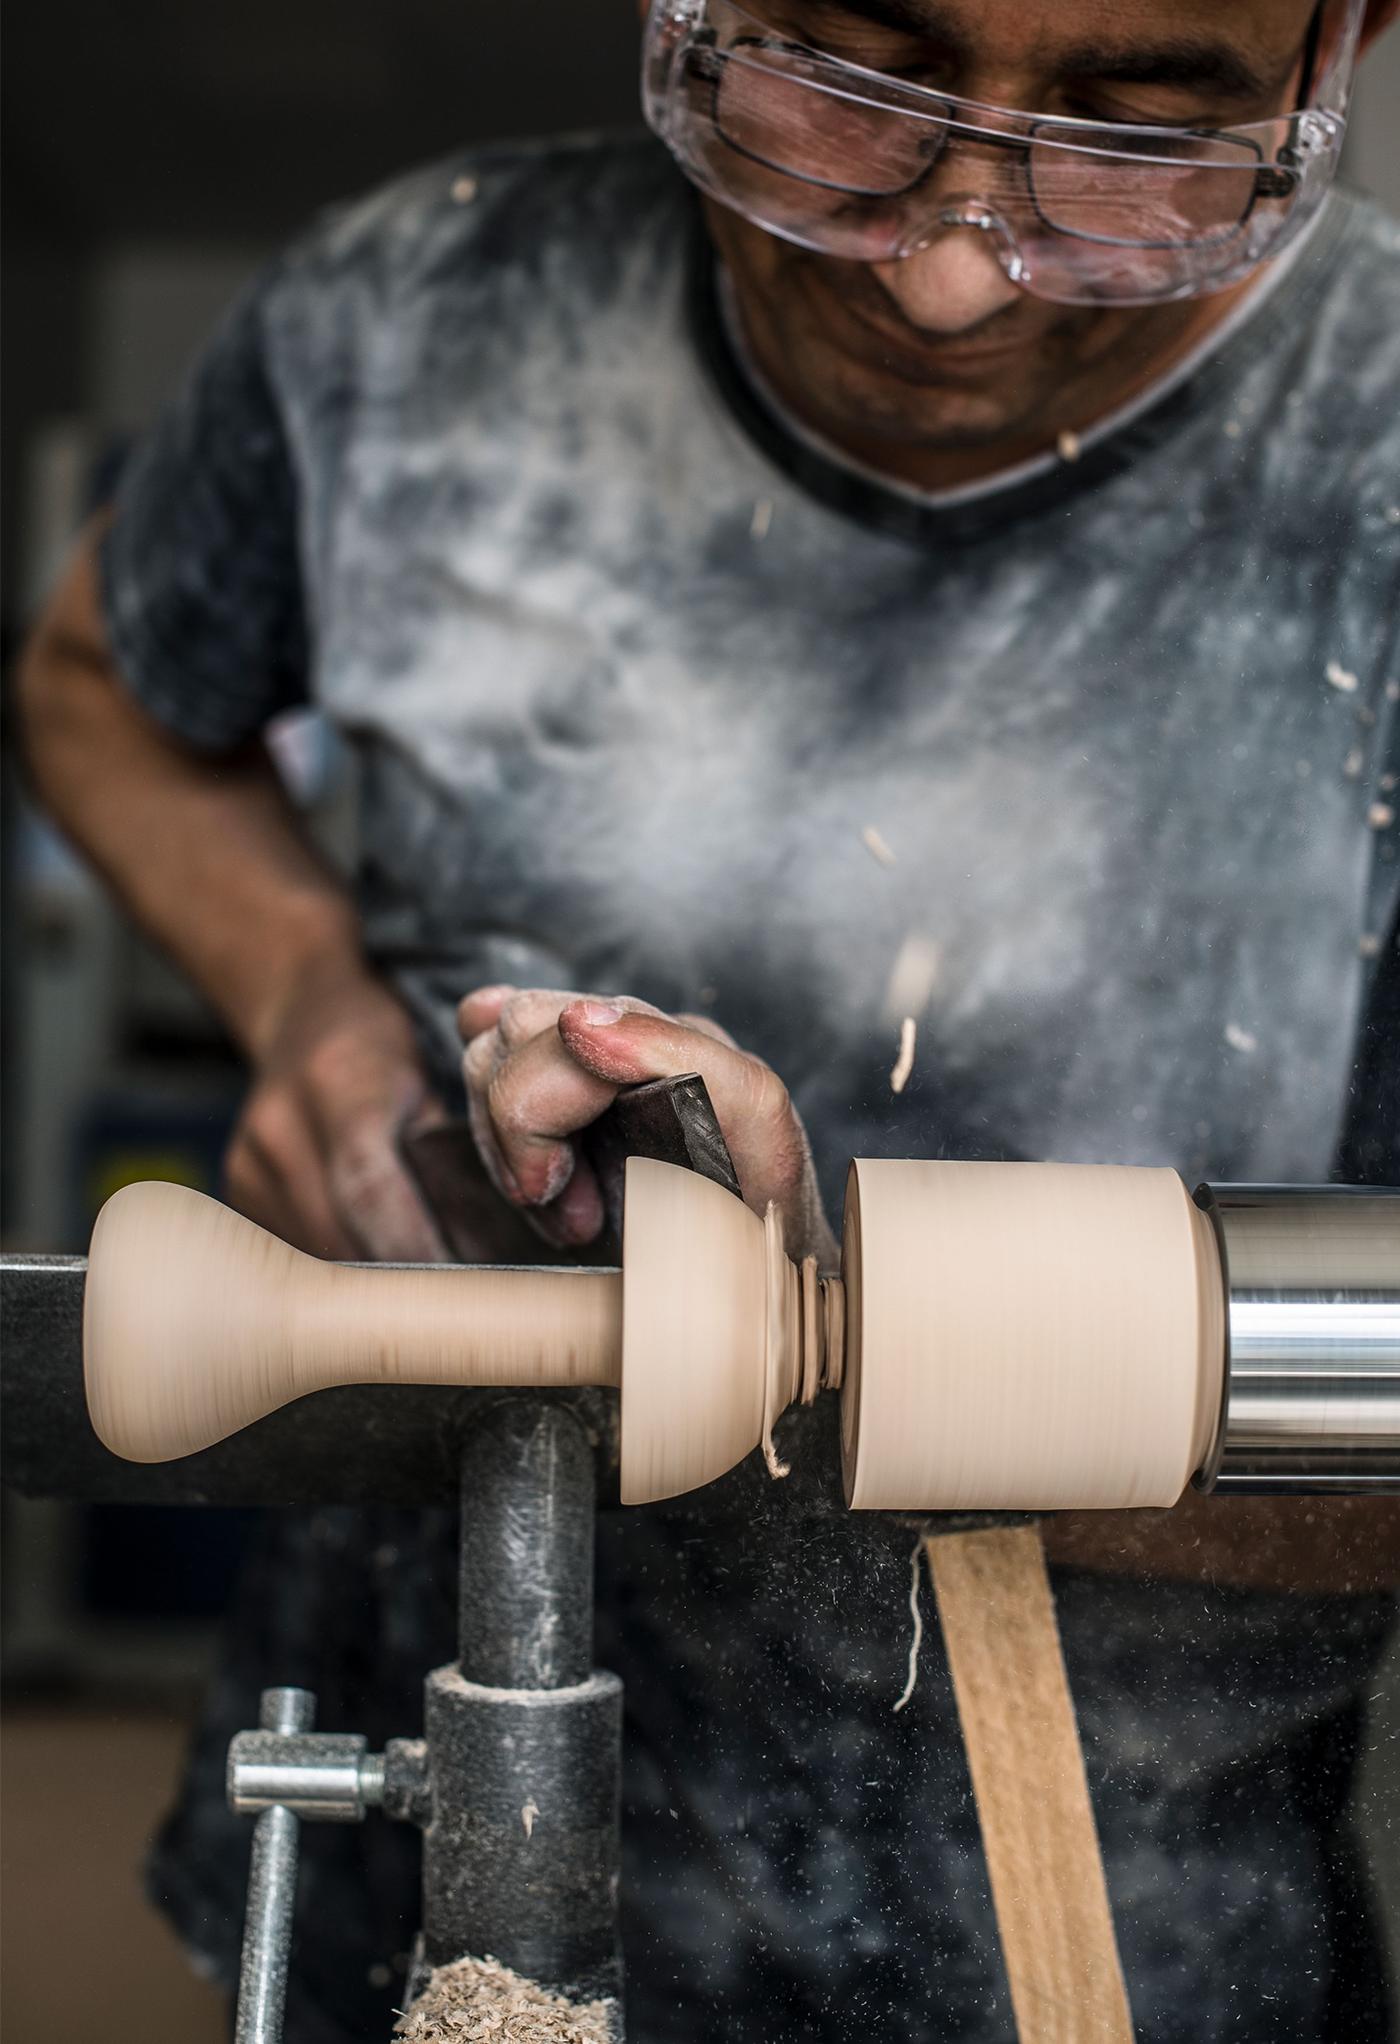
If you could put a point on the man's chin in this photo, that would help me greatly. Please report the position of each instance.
(934, 421)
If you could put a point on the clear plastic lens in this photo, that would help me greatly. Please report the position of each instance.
(1175, 191)
(861, 166)
(789, 113)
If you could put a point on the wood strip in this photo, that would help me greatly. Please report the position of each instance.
(998, 1617)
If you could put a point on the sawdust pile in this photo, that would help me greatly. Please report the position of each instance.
(478, 2001)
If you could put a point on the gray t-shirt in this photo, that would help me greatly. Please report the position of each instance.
(632, 669)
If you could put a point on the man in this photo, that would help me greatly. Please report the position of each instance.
(958, 581)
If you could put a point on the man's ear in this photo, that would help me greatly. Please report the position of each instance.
(1379, 16)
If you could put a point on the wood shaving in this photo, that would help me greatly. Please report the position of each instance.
(1341, 677)
(904, 1063)
(528, 1813)
(917, 1637)
(479, 2001)
(912, 978)
(1068, 444)
(876, 846)
(1240, 1039)
(762, 518)
(464, 190)
(1380, 816)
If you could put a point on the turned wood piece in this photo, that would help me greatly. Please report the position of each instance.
(196, 1323)
(1015, 1335)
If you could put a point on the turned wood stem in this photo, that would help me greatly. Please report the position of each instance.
(436, 1326)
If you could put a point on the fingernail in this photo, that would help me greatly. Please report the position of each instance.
(600, 1014)
(558, 1174)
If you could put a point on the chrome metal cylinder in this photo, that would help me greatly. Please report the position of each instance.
(1311, 1394)
(330, 1775)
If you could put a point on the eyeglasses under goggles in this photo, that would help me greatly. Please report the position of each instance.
(855, 164)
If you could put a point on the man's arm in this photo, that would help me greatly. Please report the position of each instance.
(210, 858)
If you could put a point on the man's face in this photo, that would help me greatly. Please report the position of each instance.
(940, 351)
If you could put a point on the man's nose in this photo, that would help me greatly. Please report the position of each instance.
(950, 286)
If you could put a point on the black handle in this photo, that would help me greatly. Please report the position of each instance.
(671, 1120)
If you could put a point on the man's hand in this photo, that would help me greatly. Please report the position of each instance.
(540, 1066)
(209, 856)
(315, 1154)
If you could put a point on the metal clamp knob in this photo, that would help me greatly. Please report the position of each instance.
(329, 1775)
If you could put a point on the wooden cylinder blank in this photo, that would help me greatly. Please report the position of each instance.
(1026, 1336)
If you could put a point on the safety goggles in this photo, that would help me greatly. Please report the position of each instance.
(855, 164)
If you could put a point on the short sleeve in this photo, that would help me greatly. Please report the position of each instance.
(201, 575)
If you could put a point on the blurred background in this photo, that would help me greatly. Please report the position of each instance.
(155, 154)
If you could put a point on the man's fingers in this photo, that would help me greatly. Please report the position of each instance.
(275, 1159)
(527, 1098)
(375, 1199)
(536, 1101)
(570, 1219)
(542, 1064)
(430, 1114)
(480, 1010)
(708, 1027)
(623, 1048)
(285, 1192)
(526, 1015)
(358, 1124)
(517, 1014)
(765, 1138)
(628, 1048)
(577, 1215)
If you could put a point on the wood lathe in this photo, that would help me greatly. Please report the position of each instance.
(1002, 1336)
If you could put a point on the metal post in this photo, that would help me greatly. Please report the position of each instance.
(525, 1604)
(272, 1889)
(521, 1856)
